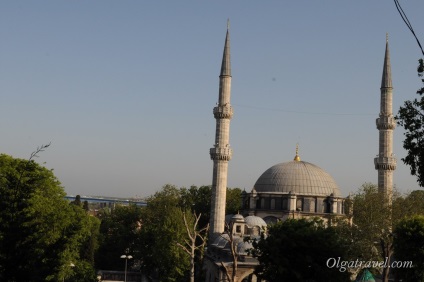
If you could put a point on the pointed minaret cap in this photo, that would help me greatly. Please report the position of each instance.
(386, 80)
(226, 62)
(297, 158)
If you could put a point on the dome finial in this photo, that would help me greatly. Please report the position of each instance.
(297, 158)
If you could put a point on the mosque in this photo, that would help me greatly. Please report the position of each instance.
(294, 189)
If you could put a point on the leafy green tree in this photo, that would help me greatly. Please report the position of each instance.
(299, 250)
(371, 233)
(233, 201)
(163, 229)
(91, 244)
(119, 233)
(411, 118)
(40, 232)
(198, 200)
(409, 246)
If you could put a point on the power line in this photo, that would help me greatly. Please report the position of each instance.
(408, 24)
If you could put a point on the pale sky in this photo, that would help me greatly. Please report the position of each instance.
(124, 90)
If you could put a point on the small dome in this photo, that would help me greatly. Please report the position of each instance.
(243, 247)
(252, 220)
(237, 217)
(297, 177)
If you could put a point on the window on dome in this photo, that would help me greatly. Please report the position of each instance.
(285, 204)
(278, 203)
(273, 204)
(299, 205)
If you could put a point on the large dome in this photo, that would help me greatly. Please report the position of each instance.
(297, 177)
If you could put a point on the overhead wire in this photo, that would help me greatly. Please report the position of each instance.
(408, 23)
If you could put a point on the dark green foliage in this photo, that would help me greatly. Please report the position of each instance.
(85, 206)
(119, 232)
(411, 118)
(151, 233)
(233, 201)
(198, 200)
(40, 232)
(298, 250)
(163, 228)
(371, 232)
(371, 223)
(409, 246)
(77, 200)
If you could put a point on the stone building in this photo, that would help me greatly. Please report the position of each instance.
(293, 189)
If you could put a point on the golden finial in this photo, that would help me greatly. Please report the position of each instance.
(297, 158)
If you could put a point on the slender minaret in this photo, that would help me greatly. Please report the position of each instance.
(385, 162)
(221, 152)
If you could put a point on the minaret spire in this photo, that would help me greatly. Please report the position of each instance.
(386, 80)
(221, 152)
(226, 62)
(385, 162)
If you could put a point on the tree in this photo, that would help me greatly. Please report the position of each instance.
(371, 233)
(409, 246)
(411, 118)
(198, 200)
(299, 250)
(194, 236)
(162, 229)
(164, 233)
(233, 201)
(40, 232)
(119, 230)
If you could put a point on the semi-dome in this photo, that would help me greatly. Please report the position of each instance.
(297, 177)
(253, 220)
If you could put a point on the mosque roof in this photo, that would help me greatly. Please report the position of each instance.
(253, 220)
(243, 247)
(297, 177)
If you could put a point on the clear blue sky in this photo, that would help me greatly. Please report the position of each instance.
(124, 90)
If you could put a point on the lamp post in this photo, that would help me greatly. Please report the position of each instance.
(126, 257)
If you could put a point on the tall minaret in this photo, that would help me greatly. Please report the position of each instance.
(221, 152)
(385, 162)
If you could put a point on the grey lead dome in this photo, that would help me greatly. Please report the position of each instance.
(297, 177)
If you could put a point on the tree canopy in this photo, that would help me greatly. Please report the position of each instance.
(119, 233)
(409, 246)
(41, 234)
(299, 250)
(411, 118)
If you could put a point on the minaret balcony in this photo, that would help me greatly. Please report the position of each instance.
(385, 163)
(223, 111)
(219, 153)
(385, 122)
